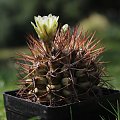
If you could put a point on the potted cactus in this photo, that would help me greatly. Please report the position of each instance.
(62, 78)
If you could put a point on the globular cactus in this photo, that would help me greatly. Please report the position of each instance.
(63, 66)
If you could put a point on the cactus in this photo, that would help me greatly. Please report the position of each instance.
(62, 68)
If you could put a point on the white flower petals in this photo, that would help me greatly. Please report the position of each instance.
(45, 26)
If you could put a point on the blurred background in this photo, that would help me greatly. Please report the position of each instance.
(15, 17)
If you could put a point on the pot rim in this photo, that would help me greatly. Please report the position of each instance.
(69, 104)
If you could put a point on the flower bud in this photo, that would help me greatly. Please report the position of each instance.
(64, 28)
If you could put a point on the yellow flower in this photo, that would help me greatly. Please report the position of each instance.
(46, 26)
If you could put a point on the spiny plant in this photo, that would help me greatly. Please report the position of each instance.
(64, 65)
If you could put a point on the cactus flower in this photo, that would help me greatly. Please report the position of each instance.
(46, 26)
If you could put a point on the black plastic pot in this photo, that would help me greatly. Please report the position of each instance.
(20, 109)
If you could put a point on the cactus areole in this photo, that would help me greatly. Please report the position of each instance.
(63, 67)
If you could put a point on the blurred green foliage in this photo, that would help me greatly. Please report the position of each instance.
(15, 16)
